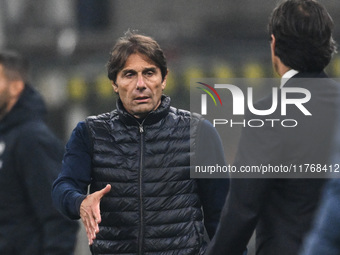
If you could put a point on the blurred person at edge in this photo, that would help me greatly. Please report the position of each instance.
(30, 160)
(281, 210)
(136, 160)
(324, 237)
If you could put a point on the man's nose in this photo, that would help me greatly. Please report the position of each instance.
(140, 82)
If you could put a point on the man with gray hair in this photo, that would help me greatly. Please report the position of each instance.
(136, 160)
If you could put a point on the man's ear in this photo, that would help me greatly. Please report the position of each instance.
(272, 44)
(115, 86)
(164, 80)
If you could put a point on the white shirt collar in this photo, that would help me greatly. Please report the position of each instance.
(287, 75)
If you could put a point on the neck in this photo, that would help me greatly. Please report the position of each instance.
(280, 68)
(282, 71)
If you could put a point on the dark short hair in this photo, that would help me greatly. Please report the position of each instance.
(16, 67)
(303, 35)
(135, 43)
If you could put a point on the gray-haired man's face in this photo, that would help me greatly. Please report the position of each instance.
(140, 85)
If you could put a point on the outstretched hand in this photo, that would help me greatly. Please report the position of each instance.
(90, 212)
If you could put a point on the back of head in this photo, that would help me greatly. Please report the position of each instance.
(15, 66)
(135, 43)
(303, 35)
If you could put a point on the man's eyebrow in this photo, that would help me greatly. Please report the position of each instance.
(149, 69)
(128, 71)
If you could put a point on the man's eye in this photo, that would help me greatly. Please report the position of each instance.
(149, 73)
(128, 75)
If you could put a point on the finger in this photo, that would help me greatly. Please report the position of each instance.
(96, 210)
(94, 226)
(96, 230)
(89, 237)
(96, 214)
(88, 230)
(92, 233)
(104, 191)
(85, 216)
(90, 223)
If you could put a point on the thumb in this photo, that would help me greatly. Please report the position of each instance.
(99, 195)
(104, 191)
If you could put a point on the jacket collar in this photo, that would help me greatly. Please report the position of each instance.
(321, 74)
(306, 75)
(151, 118)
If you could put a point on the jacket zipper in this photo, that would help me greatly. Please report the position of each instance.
(141, 230)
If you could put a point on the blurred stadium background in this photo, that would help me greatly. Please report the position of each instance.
(68, 44)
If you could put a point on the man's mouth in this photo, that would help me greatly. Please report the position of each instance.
(142, 99)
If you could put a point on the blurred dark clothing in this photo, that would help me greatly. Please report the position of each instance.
(93, 15)
(281, 210)
(148, 166)
(325, 235)
(30, 160)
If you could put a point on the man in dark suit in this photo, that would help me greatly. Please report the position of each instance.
(281, 209)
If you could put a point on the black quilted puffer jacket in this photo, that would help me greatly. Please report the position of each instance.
(153, 206)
